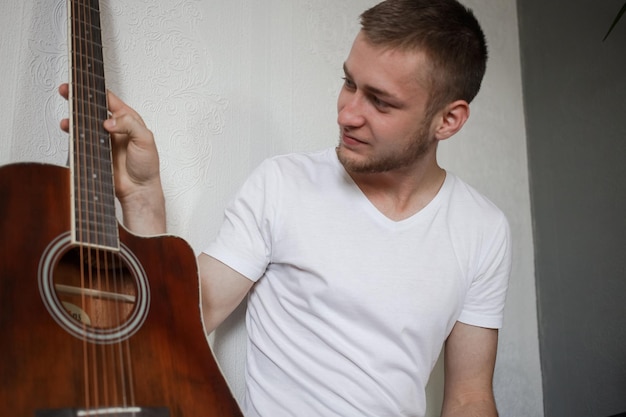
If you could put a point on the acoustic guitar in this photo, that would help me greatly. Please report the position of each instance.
(94, 320)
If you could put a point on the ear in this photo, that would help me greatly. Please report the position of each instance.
(451, 119)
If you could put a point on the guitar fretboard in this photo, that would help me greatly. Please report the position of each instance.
(95, 223)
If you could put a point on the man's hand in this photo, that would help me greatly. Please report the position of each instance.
(136, 167)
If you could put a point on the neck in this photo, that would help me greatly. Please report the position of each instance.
(401, 193)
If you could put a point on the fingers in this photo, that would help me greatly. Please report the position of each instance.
(64, 90)
(118, 108)
(124, 121)
(65, 125)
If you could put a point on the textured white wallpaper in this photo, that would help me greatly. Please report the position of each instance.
(225, 84)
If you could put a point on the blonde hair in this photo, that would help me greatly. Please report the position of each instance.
(446, 31)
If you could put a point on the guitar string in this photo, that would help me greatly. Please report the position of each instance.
(91, 201)
(78, 192)
(88, 233)
(111, 354)
(121, 310)
(93, 119)
(115, 263)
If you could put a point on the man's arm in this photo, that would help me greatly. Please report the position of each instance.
(470, 356)
(222, 290)
(138, 188)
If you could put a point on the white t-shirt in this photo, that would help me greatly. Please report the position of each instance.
(350, 309)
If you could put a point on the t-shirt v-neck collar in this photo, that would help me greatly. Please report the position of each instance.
(364, 202)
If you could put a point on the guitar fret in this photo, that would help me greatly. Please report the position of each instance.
(96, 154)
(94, 12)
(106, 214)
(99, 63)
(91, 36)
(85, 36)
(93, 154)
(88, 185)
(92, 127)
(95, 200)
(107, 208)
(91, 121)
(92, 179)
(108, 239)
(87, 31)
(92, 222)
(90, 71)
(95, 176)
(90, 95)
(100, 222)
(88, 199)
(86, 78)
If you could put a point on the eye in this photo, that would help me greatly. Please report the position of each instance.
(348, 83)
(380, 104)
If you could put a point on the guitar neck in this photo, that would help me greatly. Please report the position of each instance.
(94, 218)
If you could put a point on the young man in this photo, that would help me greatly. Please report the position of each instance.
(359, 262)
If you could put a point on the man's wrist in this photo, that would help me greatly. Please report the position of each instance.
(144, 211)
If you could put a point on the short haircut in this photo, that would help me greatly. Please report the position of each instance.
(446, 31)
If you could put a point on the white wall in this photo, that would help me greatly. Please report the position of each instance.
(225, 84)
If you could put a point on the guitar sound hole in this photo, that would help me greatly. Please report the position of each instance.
(106, 412)
(98, 295)
(95, 287)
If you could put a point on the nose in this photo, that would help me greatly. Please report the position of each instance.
(349, 109)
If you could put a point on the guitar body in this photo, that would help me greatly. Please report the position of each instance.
(156, 357)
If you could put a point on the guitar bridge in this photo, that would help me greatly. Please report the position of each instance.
(106, 412)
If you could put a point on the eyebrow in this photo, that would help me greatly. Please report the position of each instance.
(374, 90)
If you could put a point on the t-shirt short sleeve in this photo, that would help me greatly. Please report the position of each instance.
(244, 239)
(484, 302)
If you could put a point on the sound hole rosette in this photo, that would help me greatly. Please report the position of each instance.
(115, 334)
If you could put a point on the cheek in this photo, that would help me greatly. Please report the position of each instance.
(394, 131)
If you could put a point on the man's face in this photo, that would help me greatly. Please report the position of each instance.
(381, 110)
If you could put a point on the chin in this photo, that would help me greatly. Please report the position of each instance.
(347, 158)
(356, 165)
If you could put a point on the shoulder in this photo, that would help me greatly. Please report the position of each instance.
(302, 166)
(468, 202)
(474, 219)
(300, 160)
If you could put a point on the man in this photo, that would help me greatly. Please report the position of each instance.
(358, 262)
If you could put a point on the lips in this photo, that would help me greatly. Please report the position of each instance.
(351, 140)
